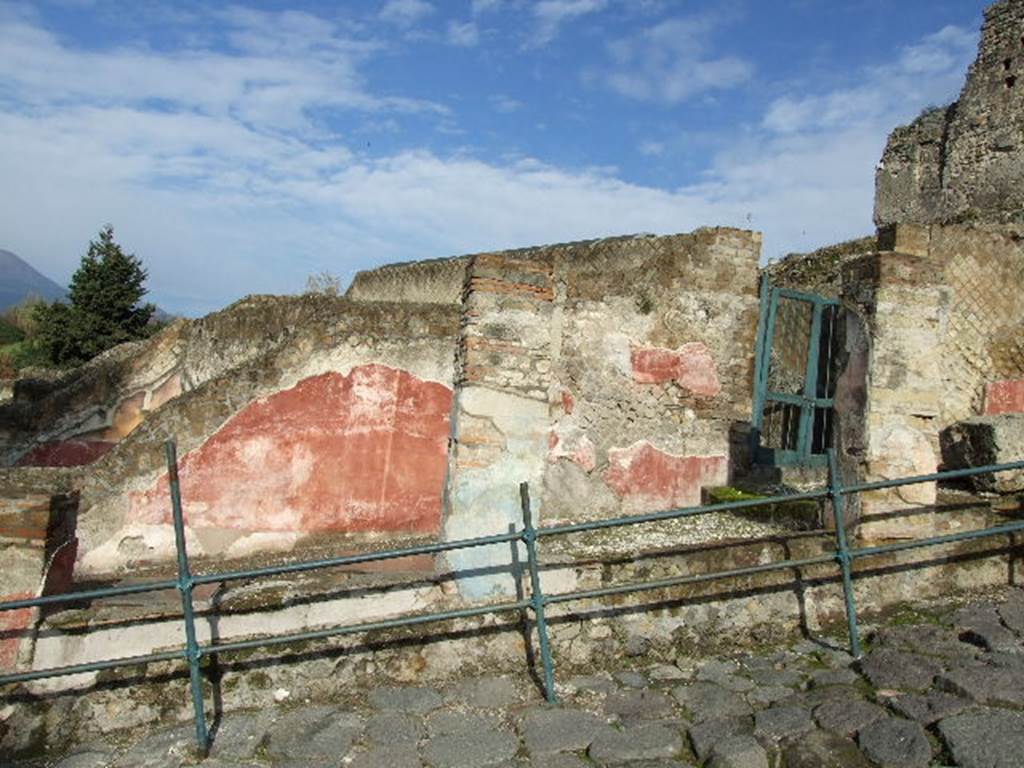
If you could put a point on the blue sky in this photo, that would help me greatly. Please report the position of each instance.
(239, 148)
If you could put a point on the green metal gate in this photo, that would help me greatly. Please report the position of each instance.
(794, 377)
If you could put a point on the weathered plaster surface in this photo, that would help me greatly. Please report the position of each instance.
(362, 452)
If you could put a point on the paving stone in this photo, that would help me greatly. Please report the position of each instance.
(561, 760)
(823, 750)
(164, 748)
(485, 693)
(925, 639)
(85, 760)
(903, 671)
(846, 717)
(738, 752)
(709, 670)
(394, 728)
(592, 683)
(834, 677)
(239, 734)
(647, 741)
(984, 684)
(707, 701)
(972, 615)
(665, 672)
(930, 707)
(1012, 612)
(775, 677)
(547, 731)
(704, 736)
(471, 749)
(985, 738)
(398, 756)
(403, 699)
(780, 723)
(896, 743)
(643, 704)
(450, 721)
(764, 696)
(812, 697)
(631, 679)
(991, 637)
(313, 735)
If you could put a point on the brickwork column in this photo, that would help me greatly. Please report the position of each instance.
(901, 296)
(501, 422)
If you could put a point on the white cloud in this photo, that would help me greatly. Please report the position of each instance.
(465, 34)
(505, 104)
(551, 14)
(184, 152)
(926, 73)
(670, 62)
(485, 6)
(652, 148)
(405, 13)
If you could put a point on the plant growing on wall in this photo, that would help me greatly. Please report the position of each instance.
(104, 307)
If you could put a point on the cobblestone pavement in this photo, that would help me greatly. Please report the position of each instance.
(943, 688)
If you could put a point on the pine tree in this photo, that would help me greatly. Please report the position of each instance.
(104, 305)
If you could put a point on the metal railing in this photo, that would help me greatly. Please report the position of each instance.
(193, 652)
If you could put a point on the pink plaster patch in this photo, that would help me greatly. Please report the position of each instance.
(568, 402)
(69, 453)
(1004, 397)
(363, 452)
(651, 480)
(12, 629)
(574, 445)
(691, 365)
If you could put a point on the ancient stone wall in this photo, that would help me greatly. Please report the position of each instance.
(437, 281)
(965, 163)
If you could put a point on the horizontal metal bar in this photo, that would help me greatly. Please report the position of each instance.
(618, 522)
(933, 541)
(91, 594)
(949, 474)
(810, 298)
(800, 400)
(636, 586)
(368, 557)
(91, 666)
(352, 629)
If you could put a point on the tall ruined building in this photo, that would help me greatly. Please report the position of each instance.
(965, 163)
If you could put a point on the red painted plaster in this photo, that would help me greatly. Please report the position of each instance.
(1004, 397)
(12, 629)
(69, 453)
(362, 452)
(651, 480)
(691, 365)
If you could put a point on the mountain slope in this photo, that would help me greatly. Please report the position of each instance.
(18, 280)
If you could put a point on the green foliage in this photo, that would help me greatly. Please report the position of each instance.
(10, 333)
(104, 308)
(22, 315)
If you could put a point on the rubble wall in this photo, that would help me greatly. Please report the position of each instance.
(965, 163)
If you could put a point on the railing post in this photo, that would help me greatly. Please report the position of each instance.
(537, 600)
(835, 489)
(193, 654)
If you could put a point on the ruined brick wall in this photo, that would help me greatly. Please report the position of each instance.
(614, 376)
(820, 271)
(965, 163)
